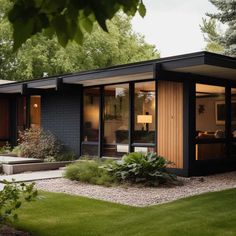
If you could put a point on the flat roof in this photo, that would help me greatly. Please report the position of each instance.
(199, 63)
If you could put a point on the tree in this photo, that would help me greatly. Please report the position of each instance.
(211, 35)
(42, 55)
(226, 15)
(68, 19)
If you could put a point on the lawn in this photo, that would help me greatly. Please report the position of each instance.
(65, 215)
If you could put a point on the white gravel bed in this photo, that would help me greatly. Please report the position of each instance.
(141, 196)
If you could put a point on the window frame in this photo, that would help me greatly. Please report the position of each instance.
(131, 128)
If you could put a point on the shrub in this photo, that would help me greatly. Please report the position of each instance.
(11, 198)
(37, 143)
(66, 156)
(5, 149)
(89, 171)
(149, 169)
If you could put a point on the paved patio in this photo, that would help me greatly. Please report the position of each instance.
(32, 176)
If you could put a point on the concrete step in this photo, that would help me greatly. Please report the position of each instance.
(31, 176)
(17, 160)
(10, 169)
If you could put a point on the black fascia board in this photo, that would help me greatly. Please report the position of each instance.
(183, 63)
(110, 73)
(220, 60)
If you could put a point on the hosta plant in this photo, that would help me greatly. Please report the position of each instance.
(149, 169)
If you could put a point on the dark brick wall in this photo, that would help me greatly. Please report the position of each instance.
(60, 114)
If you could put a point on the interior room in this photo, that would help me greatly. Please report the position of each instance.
(210, 122)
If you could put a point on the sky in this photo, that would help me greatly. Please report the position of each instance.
(173, 25)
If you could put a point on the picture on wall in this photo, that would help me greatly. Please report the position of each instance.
(220, 112)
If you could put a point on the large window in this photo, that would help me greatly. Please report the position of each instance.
(90, 139)
(144, 115)
(116, 120)
(210, 122)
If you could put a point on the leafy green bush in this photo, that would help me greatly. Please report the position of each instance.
(37, 143)
(11, 198)
(6, 149)
(89, 171)
(149, 169)
(66, 156)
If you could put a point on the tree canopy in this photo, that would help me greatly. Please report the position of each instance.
(68, 19)
(211, 36)
(42, 55)
(226, 15)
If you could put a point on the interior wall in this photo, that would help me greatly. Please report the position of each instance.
(170, 122)
(91, 114)
(35, 111)
(206, 121)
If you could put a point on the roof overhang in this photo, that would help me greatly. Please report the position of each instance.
(205, 64)
(111, 76)
(200, 63)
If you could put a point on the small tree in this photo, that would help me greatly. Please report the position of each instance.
(11, 198)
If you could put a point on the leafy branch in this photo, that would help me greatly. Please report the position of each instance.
(68, 19)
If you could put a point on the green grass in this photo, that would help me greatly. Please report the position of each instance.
(65, 215)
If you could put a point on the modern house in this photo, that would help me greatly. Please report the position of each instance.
(182, 107)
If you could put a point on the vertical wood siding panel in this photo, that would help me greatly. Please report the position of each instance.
(170, 122)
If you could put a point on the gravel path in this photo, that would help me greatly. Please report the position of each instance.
(141, 196)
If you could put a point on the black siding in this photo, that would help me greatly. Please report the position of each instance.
(60, 114)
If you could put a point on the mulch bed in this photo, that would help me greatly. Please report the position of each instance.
(10, 231)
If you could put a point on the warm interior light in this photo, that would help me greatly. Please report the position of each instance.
(144, 119)
(35, 105)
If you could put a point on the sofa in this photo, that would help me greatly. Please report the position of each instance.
(208, 151)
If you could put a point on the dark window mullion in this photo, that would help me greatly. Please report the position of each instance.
(228, 119)
(81, 119)
(28, 118)
(131, 115)
(101, 121)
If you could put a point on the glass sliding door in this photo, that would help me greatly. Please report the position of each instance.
(116, 120)
(144, 116)
(90, 141)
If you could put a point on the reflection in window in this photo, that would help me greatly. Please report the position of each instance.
(90, 121)
(210, 111)
(144, 103)
(116, 120)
